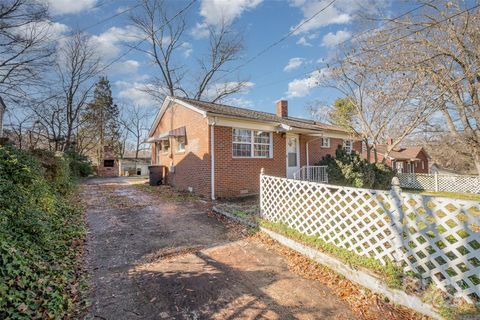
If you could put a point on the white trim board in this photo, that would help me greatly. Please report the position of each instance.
(165, 106)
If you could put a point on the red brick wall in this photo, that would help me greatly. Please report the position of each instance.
(192, 166)
(316, 152)
(417, 165)
(240, 176)
(108, 154)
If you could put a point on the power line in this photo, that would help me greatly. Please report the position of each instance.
(263, 51)
(104, 20)
(146, 38)
(379, 46)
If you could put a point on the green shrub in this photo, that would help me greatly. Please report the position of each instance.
(80, 165)
(40, 233)
(349, 169)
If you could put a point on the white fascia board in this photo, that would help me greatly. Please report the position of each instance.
(166, 105)
(340, 135)
(243, 123)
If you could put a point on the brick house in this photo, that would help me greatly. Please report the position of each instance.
(404, 159)
(217, 150)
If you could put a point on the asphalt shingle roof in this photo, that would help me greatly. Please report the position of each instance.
(226, 110)
(401, 153)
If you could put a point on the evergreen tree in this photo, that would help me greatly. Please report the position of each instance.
(102, 118)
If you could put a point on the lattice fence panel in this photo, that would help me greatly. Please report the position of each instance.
(440, 182)
(417, 181)
(436, 237)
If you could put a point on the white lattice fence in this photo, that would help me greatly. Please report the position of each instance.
(438, 238)
(440, 182)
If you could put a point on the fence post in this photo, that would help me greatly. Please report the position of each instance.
(262, 172)
(397, 220)
(436, 181)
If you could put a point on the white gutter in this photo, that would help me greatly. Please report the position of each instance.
(212, 158)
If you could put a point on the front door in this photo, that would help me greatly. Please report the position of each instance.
(293, 155)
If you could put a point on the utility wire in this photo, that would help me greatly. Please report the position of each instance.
(263, 51)
(379, 46)
(104, 20)
(146, 38)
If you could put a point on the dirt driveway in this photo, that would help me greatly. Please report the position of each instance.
(155, 258)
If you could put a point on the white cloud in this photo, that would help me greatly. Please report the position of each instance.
(293, 63)
(200, 31)
(127, 67)
(332, 39)
(133, 92)
(217, 88)
(217, 11)
(187, 49)
(304, 42)
(301, 87)
(58, 7)
(330, 15)
(340, 12)
(46, 28)
(108, 42)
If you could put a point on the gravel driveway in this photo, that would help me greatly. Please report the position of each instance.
(151, 257)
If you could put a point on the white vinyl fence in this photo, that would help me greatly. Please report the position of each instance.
(312, 173)
(436, 237)
(440, 182)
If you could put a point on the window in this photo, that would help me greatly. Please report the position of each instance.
(108, 163)
(399, 166)
(180, 143)
(251, 144)
(347, 146)
(325, 142)
(165, 146)
(423, 165)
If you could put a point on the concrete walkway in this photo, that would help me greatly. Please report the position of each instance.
(152, 258)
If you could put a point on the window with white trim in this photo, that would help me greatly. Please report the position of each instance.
(325, 142)
(180, 143)
(251, 144)
(165, 146)
(348, 146)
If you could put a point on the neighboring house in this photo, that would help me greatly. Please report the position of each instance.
(109, 166)
(134, 167)
(3, 107)
(404, 159)
(218, 151)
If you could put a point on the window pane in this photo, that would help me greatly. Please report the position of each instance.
(262, 137)
(261, 150)
(242, 150)
(242, 135)
(292, 159)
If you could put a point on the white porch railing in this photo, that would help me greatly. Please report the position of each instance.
(312, 173)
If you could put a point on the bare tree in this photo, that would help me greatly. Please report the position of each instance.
(442, 47)
(165, 33)
(136, 121)
(76, 67)
(25, 46)
(386, 102)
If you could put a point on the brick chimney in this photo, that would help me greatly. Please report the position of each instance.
(389, 141)
(282, 108)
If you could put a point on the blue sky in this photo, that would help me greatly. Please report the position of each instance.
(282, 72)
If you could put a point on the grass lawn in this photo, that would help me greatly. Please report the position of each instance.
(454, 195)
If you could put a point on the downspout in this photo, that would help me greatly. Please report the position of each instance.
(212, 158)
